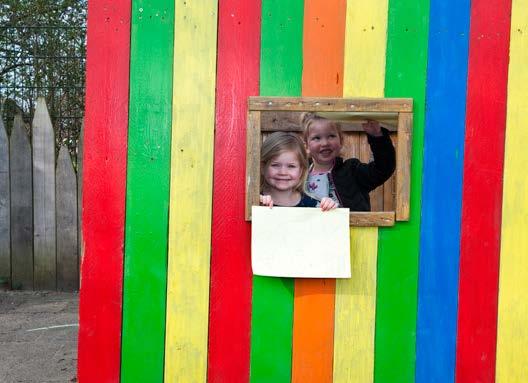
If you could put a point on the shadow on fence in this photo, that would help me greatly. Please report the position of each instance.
(39, 208)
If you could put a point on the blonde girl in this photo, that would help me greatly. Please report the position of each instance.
(346, 182)
(284, 168)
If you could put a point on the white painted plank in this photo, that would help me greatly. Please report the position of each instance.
(44, 199)
(300, 242)
(67, 259)
(5, 236)
(21, 208)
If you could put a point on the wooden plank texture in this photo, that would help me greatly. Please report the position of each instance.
(389, 188)
(66, 197)
(442, 191)
(5, 206)
(313, 330)
(377, 218)
(230, 296)
(398, 247)
(350, 122)
(313, 317)
(21, 207)
(79, 175)
(329, 104)
(512, 334)
(253, 143)
(355, 304)
(323, 47)
(403, 167)
(44, 226)
(365, 44)
(104, 151)
(147, 192)
(191, 191)
(482, 190)
(272, 312)
(355, 311)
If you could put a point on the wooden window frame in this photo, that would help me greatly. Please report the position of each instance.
(402, 106)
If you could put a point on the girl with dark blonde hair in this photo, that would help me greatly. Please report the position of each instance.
(284, 168)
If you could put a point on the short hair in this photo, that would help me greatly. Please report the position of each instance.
(276, 144)
(308, 118)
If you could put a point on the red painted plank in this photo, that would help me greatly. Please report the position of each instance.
(482, 190)
(230, 296)
(104, 174)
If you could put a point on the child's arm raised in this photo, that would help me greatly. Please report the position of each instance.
(372, 128)
(375, 173)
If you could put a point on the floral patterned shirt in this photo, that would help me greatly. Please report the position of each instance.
(320, 185)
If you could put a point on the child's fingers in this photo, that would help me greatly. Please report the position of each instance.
(266, 200)
(372, 127)
(328, 204)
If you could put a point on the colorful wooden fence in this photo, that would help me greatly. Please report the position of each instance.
(166, 287)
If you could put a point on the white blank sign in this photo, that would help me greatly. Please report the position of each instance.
(300, 242)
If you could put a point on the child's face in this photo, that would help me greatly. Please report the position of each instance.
(323, 143)
(283, 172)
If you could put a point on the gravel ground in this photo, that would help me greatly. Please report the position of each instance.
(38, 336)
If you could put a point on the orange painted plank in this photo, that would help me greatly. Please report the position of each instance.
(313, 330)
(313, 317)
(323, 47)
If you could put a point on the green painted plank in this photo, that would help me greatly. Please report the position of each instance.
(271, 330)
(396, 305)
(272, 312)
(147, 199)
(281, 47)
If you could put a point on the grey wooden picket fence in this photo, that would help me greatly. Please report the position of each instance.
(39, 208)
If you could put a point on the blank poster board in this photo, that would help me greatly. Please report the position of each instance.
(300, 242)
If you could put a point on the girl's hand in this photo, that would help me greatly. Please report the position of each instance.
(327, 204)
(372, 127)
(266, 200)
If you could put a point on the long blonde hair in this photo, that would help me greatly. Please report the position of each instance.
(308, 118)
(276, 144)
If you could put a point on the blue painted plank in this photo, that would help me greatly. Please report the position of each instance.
(442, 191)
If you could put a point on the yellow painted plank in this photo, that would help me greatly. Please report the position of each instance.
(512, 332)
(355, 308)
(365, 44)
(364, 76)
(191, 191)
